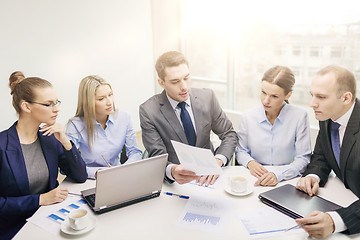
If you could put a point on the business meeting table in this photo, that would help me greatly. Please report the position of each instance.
(157, 218)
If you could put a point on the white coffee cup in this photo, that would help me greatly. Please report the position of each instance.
(79, 219)
(238, 184)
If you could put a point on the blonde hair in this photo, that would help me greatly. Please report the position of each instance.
(281, 76)
(86, 103)
(169, 59)
(22, 89)
(345, 80)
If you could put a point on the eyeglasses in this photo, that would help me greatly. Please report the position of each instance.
(57, 103)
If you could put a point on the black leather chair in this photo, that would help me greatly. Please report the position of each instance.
(123, 157)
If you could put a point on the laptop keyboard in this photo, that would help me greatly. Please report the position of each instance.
(91, 199)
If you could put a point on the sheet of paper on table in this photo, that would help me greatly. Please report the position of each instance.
(267, 222)
(206, 213)
(199, 160)
(51, 217)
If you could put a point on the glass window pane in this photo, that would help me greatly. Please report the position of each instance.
(218, 88)
(234, 44)
(207, 55)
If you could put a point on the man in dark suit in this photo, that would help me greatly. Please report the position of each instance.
(186, 115)
(337, 148)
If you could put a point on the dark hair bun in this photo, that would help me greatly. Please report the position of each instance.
(15, 78)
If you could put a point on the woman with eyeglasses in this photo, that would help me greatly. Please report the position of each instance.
(31, 155)
(98, 130)
(276, 133)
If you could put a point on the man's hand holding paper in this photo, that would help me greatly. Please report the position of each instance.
(196, 163)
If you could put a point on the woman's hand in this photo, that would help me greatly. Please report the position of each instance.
(256, 169)
(59, 133)
(54, 196)
(268, 179)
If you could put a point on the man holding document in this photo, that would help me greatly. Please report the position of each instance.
(337, 148)
(185, 115)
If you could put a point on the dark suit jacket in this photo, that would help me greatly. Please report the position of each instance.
(16, 203)
(159, 125)
(323, 161)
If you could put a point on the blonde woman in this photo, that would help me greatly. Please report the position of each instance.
(30, 156)
(275, 133)
(98, 130)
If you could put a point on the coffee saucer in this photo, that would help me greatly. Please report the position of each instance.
(250, 189)
(65, 227)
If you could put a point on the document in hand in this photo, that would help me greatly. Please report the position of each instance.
(199, 160)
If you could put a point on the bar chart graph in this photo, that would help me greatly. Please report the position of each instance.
(206, 213)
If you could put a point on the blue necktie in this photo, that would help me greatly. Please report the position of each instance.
(335, 142)
(187, 124)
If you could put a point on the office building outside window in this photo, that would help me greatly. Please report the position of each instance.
(231, 58)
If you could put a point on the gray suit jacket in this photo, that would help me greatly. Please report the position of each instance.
(159, 125)
(323, 161)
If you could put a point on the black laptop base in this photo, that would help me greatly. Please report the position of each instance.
(91, 201)
(295, 203)
(280, 208)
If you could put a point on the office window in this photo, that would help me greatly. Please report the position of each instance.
(336, 52)
(279, 50)
(297, 71)
(312, 72)
(315, 51)
(207, 59)
(231, 44)
(297, 50)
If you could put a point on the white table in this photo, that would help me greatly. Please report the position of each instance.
(156, 218)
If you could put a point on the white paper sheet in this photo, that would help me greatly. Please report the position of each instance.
(206, 213)
(51, 217)
(267, 222)
(199, 160)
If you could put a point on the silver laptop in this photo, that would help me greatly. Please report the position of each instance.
(127, 184)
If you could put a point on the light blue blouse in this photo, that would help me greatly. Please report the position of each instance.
(107, 143)
(286, 143)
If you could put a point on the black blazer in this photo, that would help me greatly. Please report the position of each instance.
(16, 202)
(323, 161)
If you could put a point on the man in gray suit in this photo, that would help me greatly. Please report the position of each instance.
(185, 115)
(337, 148)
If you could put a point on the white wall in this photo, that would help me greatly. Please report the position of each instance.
(64, 41)
(166, 27)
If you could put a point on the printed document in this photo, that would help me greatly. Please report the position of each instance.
(267, 222)
(51, 217)
(206, 213)
(199, 160)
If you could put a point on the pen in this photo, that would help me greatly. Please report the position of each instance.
(178, 195)
(106, 161)
(298, 225)
(76, 194)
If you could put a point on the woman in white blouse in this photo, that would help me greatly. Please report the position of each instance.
(275, 133)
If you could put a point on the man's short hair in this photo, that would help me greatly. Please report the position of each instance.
(169, 59)
(345, 80)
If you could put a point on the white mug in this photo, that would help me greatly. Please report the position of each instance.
(79, 219)
(238, 184)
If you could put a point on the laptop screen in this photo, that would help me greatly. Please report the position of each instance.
(126, 183)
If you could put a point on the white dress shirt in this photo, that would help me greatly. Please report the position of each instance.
(285, 144)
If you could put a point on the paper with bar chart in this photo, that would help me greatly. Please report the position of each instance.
(206, 213)
(51, 217)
